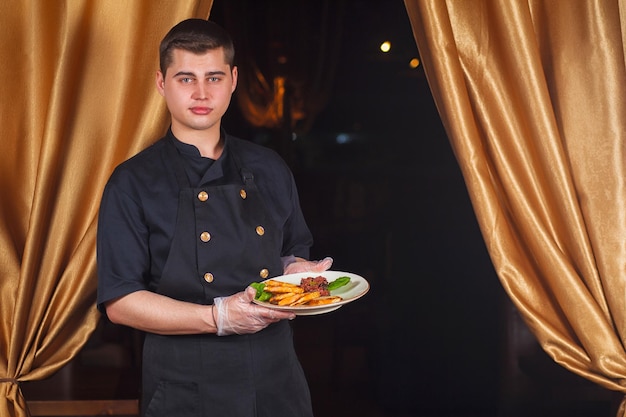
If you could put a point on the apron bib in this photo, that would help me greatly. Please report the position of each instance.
(224, 240)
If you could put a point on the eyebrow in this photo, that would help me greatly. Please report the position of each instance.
(191, 74)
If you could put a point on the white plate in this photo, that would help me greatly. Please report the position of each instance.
(355, 289)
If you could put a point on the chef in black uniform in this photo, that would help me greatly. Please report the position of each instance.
(184, 227)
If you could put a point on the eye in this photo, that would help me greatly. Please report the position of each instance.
(186, 80)
(213, 79)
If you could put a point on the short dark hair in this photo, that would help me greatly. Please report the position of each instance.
(197, 36)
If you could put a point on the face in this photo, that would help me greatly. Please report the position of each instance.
(197, 90)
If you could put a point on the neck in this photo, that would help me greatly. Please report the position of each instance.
(209, 143)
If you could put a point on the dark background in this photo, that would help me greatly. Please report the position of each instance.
(436, 335)
(391, 205)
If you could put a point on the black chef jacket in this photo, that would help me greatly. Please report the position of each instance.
(141, 218)
(139, 207)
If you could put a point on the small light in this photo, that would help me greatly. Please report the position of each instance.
(385, 46)
(342, 138)
(414, 63)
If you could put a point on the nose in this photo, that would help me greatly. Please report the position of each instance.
(200, 92)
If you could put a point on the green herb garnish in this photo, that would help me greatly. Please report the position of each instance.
(261, 294)
(338, 283)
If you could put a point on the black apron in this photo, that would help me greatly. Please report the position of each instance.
(224, 240)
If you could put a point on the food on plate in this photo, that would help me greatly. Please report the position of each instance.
(320, 301)
(319, 284)
(312, 291)
(274, 299)
(290, 300)
(306, 297)
(338, 283)
(283, 289)
(273, 283)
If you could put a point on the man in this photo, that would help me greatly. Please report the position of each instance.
(184, 227)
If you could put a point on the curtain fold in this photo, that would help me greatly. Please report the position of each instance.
(532, 96)
(77, 98)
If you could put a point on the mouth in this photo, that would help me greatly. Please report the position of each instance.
(201, 111)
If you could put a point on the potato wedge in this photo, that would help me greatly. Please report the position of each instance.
(282, 289)
(307, 296)
(279, 296)
(274, 283)
(288, 300)
(323, 300)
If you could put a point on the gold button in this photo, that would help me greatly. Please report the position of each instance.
(208, 277)
(205, 236)
(260, 230)
(264, 273)
(203, 196)
(243, 193)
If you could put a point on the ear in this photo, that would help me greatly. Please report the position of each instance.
(160, 83)
(234, 73)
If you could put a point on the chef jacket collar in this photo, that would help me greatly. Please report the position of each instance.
(216, 170)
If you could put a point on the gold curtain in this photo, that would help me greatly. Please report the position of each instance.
(77, 97)
(532, 96)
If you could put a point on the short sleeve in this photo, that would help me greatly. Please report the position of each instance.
(123, 260)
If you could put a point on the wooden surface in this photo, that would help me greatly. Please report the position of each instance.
(84, 408)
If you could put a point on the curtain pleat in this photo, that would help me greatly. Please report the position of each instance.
(532, 96)
(77, 98)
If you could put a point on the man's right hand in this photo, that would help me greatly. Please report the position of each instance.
(237, 314)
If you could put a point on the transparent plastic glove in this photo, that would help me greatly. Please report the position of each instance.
(236, 314)
(293, 265)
